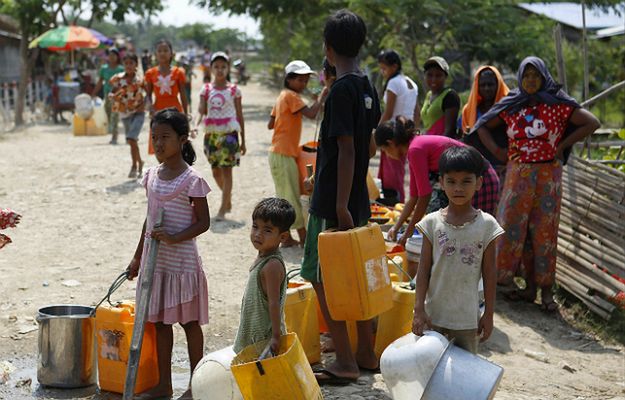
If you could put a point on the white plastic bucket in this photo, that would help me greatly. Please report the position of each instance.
(212, 378)
(413, 247)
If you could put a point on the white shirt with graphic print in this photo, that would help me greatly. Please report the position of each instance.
(452, 300)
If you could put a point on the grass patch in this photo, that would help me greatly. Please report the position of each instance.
(580, 317)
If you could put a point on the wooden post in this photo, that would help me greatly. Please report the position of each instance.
(585, 56)
(557, 35)
(141, 313)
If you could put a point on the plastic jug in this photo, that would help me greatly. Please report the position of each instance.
(287, 376)
(397, 321)
(300, 315)
(99, 114)
(114, 327)
(82, 127)
(83, 106)
(212, 378)
(307, 156)
(409, 362)
(355, 273)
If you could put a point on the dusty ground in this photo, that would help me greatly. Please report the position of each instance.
(82, 219)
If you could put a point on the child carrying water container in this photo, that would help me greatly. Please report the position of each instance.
(128, 95)
(262, 307)
(179, 287)
(458, 248)
(286, 121)
(340, 198)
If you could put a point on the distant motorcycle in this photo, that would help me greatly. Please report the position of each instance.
(242, 76)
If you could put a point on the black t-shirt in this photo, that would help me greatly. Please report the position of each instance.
(353, 109)
(451, 100)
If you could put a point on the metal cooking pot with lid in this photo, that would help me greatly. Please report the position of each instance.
(66, 346)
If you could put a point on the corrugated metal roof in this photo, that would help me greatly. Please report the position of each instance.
(609, 32)
(571, 14)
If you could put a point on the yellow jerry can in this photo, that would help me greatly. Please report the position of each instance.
(355, 273)
(300, 315)
(114, 327)
(397, 321)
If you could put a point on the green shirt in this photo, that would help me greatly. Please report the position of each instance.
(432, 111)
(106, 73)
(255, 324)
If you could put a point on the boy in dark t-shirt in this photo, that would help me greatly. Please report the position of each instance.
(340, 198)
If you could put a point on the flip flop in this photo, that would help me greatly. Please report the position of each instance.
(331, 378)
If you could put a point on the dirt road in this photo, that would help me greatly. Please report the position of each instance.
(82, 219)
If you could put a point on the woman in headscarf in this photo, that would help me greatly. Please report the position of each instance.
(487, 89)
(542, 123)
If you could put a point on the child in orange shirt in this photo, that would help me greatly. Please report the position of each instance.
(286, 121)
(167, 83)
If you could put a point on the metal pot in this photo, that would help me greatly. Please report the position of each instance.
(462, 375)
(66, 346)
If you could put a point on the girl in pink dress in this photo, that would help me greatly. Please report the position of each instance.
(179, 289)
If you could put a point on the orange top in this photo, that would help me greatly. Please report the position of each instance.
(469, 112)
(287, 129)
(166, 88)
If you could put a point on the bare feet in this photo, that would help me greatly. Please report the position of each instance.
(335, 374)
(140, 169)
(548, 303)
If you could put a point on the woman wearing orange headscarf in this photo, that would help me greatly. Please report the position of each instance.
(487, 89)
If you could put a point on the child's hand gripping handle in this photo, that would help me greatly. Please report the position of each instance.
(265, 354)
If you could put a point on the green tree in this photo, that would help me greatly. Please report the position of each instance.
(37, 16)
(199, 33)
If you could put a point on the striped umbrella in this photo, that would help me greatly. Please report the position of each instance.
(65, 38)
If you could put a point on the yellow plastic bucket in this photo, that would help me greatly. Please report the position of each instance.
(355, 273)
(300, 315)
(114, 327)
(397, 321)
(287, 376)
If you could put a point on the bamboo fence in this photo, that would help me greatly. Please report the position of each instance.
(591, 236)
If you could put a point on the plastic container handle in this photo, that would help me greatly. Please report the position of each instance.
(266, 353)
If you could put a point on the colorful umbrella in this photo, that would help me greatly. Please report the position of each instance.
(65, 38)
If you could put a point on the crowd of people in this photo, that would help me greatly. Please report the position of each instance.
(484, 186)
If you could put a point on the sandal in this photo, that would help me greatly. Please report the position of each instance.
(325, 377)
